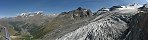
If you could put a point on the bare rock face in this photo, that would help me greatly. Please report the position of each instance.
(144, 7)
(138, 27)
(77, 13)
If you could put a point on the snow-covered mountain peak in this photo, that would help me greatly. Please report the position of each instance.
(132, 8)
(27, 14)
(135, 4)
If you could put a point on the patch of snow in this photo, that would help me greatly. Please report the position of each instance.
(106, 9)
(38, 12)
(128, 9)
(22, 14)
(31, 15)
(85, 10)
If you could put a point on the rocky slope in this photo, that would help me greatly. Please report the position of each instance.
(138, 25)
(67, 22)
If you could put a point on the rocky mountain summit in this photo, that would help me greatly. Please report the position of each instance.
(77, 13)
(115, 23)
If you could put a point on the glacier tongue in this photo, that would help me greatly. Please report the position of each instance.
(108, 28)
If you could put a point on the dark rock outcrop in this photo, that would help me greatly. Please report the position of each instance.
(138, 27)
(144, 8)
(114, 8)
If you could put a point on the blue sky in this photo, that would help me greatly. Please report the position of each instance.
(13, 7)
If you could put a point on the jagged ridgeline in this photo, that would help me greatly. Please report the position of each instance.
(115, 23)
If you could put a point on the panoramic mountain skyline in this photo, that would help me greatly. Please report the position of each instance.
(11, 8)
(73, 20)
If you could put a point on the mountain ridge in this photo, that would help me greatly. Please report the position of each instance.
(80, 24)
